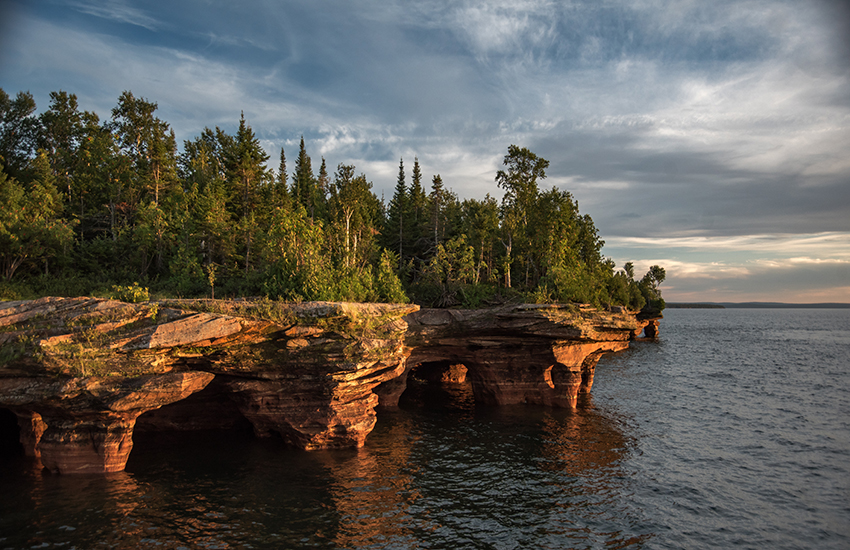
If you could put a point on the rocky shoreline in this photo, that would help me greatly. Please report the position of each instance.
(81, 374)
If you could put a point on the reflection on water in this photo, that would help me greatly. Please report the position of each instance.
(437, 473)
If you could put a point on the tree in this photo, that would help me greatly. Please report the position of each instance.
(296, 265)
(31, 229)
(418, 216)
(202, 162)
(519, 180)
(245, 162)
(321, 191)
(304, 183)
(397, 211)
(437, 195)
(282, 176)
(245, 165)
(480, 225)
(649, 288)
(148, 142)
(351, 202)
(61, 134)
(18, 132)
(388, 285)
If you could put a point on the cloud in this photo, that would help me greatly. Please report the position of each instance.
(722, 127)
(116, 10)
(827, 244)
(793, 268)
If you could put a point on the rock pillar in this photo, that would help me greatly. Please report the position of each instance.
(97, 444)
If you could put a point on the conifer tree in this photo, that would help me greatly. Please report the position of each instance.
(246, 166)
(304, 183)
(418, 218)
(397, 211)
(437, 196)
(280, 190)
(321, 191)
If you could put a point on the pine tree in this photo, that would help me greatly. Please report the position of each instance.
(304, 183)
(437, 196)
(418, 218)
(397, 214)
(246, 166)
(321, 191)
(280, 189)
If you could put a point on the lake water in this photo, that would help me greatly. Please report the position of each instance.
(732, 430)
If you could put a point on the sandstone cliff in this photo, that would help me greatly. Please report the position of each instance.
(79, 372)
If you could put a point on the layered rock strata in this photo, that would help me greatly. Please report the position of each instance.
(80, 372)
(539, 354)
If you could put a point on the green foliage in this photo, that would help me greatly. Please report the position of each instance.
(93, 207)
(31, 230)
(133, 294)
(387, 285)
(649, 289)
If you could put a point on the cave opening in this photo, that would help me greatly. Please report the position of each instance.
(202, 428)
(210, 409)
(209, 413)
(10, 435)
(438, 385)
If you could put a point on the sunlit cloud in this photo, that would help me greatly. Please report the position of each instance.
(834, 245)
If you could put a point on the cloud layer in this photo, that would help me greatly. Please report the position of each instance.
(727, 121)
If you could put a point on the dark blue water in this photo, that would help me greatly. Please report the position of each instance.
(733, 430)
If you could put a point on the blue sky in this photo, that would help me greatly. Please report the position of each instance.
(712, 138)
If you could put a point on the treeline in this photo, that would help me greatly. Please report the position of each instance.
(88, 205)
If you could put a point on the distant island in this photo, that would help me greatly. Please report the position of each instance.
(755, 305)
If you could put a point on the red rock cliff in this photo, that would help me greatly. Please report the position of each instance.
(79, 372)
(540, 354)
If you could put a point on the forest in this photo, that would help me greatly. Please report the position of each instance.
(115, 208)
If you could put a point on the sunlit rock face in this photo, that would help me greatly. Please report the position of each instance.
(540, 354)
(85, 424)
(80, 373)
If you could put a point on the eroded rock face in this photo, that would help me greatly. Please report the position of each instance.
(80, 372)
(85, 425)
(540, 354)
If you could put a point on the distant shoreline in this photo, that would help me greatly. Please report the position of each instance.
(754, 305)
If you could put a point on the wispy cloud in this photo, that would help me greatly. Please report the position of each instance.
(117, 10)
(827, 244)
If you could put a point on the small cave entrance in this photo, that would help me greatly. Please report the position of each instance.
(209, 409)
(205, 425)
(10, 436)
(440, 385)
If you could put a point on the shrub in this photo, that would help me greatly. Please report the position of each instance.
(132, 293)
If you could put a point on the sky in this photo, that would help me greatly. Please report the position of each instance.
(711, 138)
